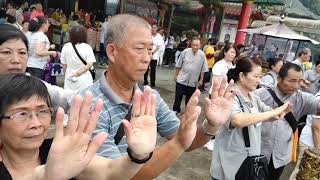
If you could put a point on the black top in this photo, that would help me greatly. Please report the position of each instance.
(44, 150)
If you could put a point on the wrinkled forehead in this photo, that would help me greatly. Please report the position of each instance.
(136, 34)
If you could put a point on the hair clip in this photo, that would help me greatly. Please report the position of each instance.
(35, 19)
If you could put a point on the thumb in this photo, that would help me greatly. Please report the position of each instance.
(207, 105)
(128, 130)
(95, 144)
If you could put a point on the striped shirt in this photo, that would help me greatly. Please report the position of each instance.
(115, 109)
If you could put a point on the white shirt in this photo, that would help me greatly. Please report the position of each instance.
(103, 32)
(221, 68)
(306, 134)
(157, 42)
(34, 60)
(71, 59)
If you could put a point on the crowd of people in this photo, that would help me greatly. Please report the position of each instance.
(112, 123)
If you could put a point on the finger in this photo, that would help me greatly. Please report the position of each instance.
(84, 112)
(74, 114)
(128, 130)
(59, 123)
(222, 86)
(95, 144)
(153, 106)
(228, 91)
(207, 105)
(233, 94)
(148, 102)
(136, 103)
(215, 87)
(144, 98)
(194, 100)
(91, 124)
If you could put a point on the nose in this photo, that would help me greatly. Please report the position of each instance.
(16, 59)
(146, 56)
(35, 120)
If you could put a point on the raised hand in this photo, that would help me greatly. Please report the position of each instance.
(218, 107)
(282, 110)
(71, 150)
(141, 131)
(188, 123)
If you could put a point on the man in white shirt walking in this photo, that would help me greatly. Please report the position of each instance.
(102, 54)
(157, 40)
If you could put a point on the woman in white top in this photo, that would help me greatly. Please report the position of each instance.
(270, 78)
(38, 46)
(77, 74)
(221, 67)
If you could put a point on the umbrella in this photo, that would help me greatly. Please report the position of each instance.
(279, 30)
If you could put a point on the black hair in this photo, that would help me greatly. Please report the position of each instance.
(225, 49)
(75, 17)
(11, 19)
(36, 23)
(304, 51)
(286, 67)
(317, 62)
(273, 62)
(18, 87)
(243, 65)
(9, 32)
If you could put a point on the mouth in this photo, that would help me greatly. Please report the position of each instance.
(34, 137)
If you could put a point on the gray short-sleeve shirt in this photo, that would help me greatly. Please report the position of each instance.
(230, 150)
(191, 65)
(276, 135)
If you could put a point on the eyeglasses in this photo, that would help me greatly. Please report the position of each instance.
(45, 113)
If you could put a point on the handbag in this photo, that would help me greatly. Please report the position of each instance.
(91, 70)
(253, 167)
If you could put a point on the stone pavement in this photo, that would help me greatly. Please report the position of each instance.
(192, 165)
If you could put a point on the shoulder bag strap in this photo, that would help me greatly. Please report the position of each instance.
(245, 130)
(289, 116)
(75, 49)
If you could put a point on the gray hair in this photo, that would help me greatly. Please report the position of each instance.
(119, 25)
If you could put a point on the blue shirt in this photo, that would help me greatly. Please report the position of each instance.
(115, 109)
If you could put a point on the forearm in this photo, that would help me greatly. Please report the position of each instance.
(44, 53)
(202, 137)
(155, 49)
(101, 168)
(163, 157)
(176, 72)
(245, 119)
(201, 77)
(316, 133)
(84, 69)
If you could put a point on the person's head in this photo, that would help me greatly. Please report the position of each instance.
(228, 53)
(11, 19)
(273, 48)
(25, 26)
(305, 54)
(246, 73)
(39, 23)
(78, 34)
(129, 54)
(213, 41)
(39, 7)
(195, 44)
(289, 78)
(75, 17)
(154, 29)
(317, 66)
(25, 112)
(275, 64)
(107, 17)
(13, 50)
(20, 19)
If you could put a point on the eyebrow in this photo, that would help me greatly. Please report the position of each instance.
(25, 108)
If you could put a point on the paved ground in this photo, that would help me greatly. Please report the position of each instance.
(191, 165)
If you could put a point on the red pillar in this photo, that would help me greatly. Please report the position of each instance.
(244, 21)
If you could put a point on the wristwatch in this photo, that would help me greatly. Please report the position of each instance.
(138, 161)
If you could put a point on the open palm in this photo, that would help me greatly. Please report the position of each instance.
(218, 107)
(71, 150)
(141, 131)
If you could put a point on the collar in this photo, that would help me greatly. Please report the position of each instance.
(282, 96)
(107, 90)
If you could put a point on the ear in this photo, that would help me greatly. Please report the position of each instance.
(279, 79)
(241, 76)
(111, 52)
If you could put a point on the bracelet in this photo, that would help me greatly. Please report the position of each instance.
(206, 132)
(138, 161)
